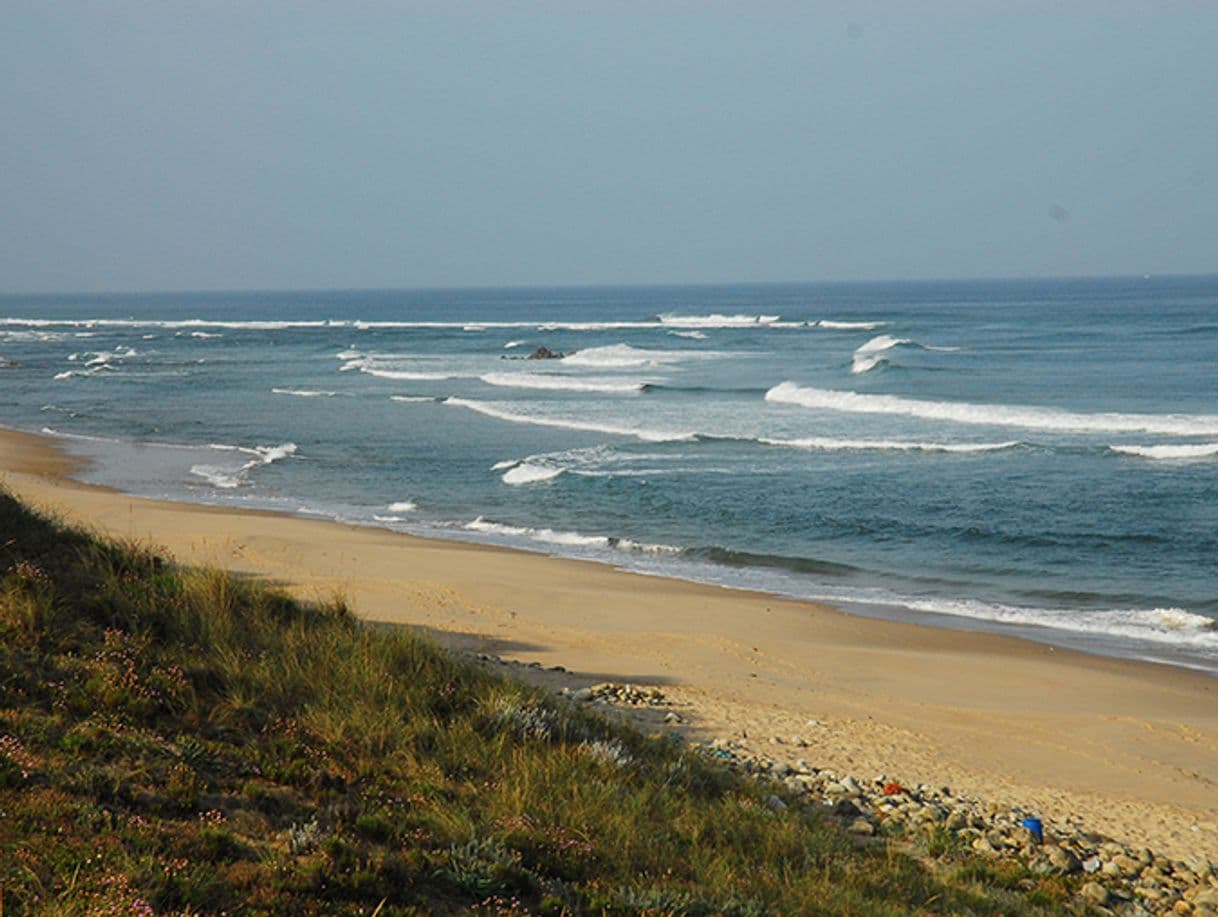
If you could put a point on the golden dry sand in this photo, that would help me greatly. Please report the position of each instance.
(1128, 748)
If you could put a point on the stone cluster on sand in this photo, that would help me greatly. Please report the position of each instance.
(1108, 876)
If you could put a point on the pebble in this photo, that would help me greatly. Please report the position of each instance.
(1094, 893)
(1126, 880)
(1129, 881)
(862, 826)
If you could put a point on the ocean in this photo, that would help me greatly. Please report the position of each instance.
(1029, 457)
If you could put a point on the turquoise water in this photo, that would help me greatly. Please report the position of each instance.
(1038, 457)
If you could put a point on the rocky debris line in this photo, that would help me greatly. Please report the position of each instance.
(1112, 877)
(613, 693)
(517, 664)
(1109, 877)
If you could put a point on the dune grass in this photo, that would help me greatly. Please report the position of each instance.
(185, 740)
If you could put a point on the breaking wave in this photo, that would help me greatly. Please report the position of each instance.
(500, 413)
(993, 415)
(622, 356)
(305, 393)
(716, 320)
(849, 445)
(830, 325)
(660, 321)
(372, 368)
(1177, 453)
(526, 473)
(227, 477)
(1174, 626)
(567, 539)
(870, 355)
(564, 383)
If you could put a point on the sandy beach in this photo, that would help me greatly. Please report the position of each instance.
(1125, 748)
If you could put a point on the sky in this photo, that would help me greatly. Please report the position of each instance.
(257, 145)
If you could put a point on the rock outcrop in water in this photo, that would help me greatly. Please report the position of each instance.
(544, 353)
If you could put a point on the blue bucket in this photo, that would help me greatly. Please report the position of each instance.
(1034, 827)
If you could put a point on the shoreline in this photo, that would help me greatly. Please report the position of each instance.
(1127, 748)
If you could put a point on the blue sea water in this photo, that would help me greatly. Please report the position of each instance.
(1036, 457)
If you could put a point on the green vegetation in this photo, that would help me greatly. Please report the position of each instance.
(183, 740)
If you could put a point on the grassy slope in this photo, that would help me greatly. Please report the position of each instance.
(181, 739)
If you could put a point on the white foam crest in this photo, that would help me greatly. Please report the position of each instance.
(831, 445)
(692, 335)
(112, 440)
(349, 354)
(688, 321)
(205, 335)
(38, 337)
(507, 463)
(547, 536)
(401, 375)
(621, 356)
(96, 369)
(100, 357)
(1169, 453)
(564, 383)
(716, 320)
(254, 325)
(1175, 626)
(568, 539)
(882, 342)
(512, 345)
(217, 476)
(499, 413)
(865, 363)
(870, 355)
(526, 473)
(402, 506)
(830, 325)
(994, 415)
(228, 477)
(377, 518)
(643, 547)
(305, 393)
(413, 399)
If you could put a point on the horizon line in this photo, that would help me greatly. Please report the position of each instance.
(438, 288)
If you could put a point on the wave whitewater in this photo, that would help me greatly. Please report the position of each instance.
(880, 445)
(230, 478)
(992, 415)
(623, 356)
(871, 354)
(1171, 453)
(711, 321)
(831, 325)
(305, 393)
(528, 473)
(566, 539)
(500, 413)
(372, 368)
(564, 383)
(1171, 626)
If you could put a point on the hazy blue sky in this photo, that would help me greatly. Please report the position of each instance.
(214, 145)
